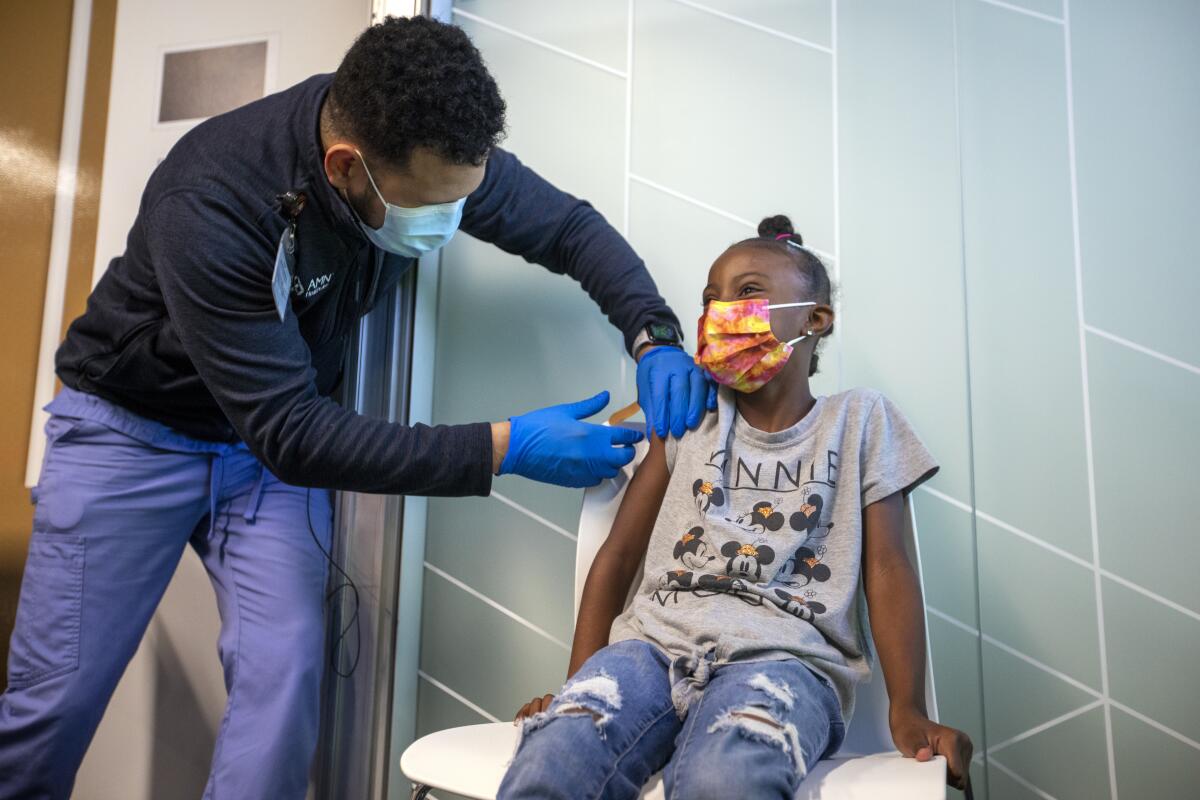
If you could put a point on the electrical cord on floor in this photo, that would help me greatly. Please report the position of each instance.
(348, 583)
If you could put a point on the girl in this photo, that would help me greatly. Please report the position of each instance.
(734, 667)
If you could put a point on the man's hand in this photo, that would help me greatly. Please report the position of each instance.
(916, 736)
(554, 445)
(534, 706)
(672, 390)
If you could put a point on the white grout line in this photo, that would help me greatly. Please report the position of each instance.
(1069, 556)
(713, 209)
(534, 516)
(1023, 781)
(837, 204)
(972, 487)
(1063, 677)
(953, 620)
(626, 185)
(1058, 551)
(1012, 651)
(544, 45)
(947, 498)
(629, 10)
(1155, 724)
(1026, 11)
(1147, 593)
(1087, 402)
(502, 609)
(1175, 362)
(477, 709)
(693, 201)
(1045, 726)
(747, 23)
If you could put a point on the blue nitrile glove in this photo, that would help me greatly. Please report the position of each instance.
(673, 391)
(552, 445)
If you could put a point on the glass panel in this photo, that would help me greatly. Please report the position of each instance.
(353, 757)
(1029, 314)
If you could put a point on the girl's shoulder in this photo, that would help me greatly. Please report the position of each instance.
(860, 398)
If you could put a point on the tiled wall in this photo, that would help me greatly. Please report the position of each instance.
(1004, 192)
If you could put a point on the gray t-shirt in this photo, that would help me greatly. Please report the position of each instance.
(757, 550)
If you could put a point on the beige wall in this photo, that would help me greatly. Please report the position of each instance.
(35, 39)
(157, 736)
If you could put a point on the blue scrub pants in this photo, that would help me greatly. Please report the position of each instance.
(118, 499)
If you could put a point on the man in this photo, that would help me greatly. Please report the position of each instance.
(196, 403)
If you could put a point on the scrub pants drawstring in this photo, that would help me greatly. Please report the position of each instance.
(255, 499)
(216, 475)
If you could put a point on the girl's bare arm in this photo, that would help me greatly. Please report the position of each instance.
(616, 564)
(617, 561)
(898, 627)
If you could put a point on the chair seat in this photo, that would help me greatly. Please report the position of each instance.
(471, 761)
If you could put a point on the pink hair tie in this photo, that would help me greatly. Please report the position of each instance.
(791, 242)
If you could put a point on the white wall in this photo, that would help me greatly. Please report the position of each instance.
(156, 739)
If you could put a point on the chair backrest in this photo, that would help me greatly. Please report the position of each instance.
(868, 731)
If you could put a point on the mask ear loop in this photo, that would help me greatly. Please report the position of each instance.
(793, 305)
(367, 170)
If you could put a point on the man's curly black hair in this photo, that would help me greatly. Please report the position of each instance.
(416, 82)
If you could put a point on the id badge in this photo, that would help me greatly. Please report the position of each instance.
(281, 280)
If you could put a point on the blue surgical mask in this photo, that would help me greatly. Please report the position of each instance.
(412, 232)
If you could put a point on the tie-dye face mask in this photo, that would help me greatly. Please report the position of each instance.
(735, 344)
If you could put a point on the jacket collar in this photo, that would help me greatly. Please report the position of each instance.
(308, 136)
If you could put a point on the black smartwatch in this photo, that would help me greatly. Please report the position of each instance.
(657, 333)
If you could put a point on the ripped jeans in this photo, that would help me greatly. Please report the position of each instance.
(741, 729)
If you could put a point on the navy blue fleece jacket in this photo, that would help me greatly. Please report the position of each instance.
(183, 328)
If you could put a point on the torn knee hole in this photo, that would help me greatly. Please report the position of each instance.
(757, 718)
(760, 726)
(779, 692)
(578, 709)
(597, 695)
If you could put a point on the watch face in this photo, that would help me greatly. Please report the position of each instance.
(662, 333)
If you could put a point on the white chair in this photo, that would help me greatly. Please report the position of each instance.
(471, 760)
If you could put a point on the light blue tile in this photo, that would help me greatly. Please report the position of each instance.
(827, 381)
(1145, 437)
(437, 710)
(1039, 603)
(979, 783)
(805, 19)
(556, 504)
(1137, 108)
(1051, 8)
(903, 328)
(945, 537)
(956, 678)
(1018, 696)
(513, 337)
(485, 656)
(1152, 653)
(1005, 787)
(1068, 761)
(593, 30)
(734, 117)
(1152, 764)
(679, 242)
(516, 561)
(559, 109)
(1026, 384)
